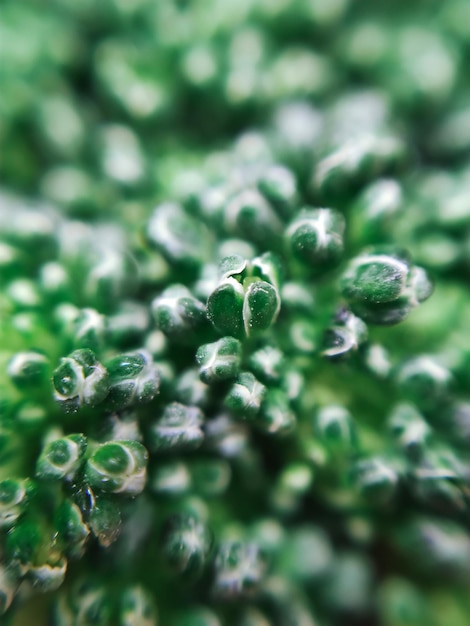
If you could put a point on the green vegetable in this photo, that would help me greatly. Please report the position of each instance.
(234, 339)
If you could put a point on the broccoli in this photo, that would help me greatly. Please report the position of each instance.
(234, 353)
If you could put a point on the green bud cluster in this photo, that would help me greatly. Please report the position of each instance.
(383, 288)
(224, 397)
(246, 300)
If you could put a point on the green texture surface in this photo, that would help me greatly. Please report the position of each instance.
(234, 313)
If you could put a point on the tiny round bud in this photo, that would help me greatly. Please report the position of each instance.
(425, 381)
(105, 520)
(345, 336)
(89, 329)
(128, 326)
(133, 380)
(80, 380)
(225, 308)
(13, 498)
(335, 428)
(292, 484)
(267, 364)
(54, 281)
(306, 554)
(89, 602)
(187, 543)
(275, 416)
(28, 369)
(247, 300)
(249, 215)
(137, 607)
(268, 268)
(61, 458)
(190, 389)
(118, 467)
(260, 307)
(409, 428)
(384, 288)
(71, 529)
(226, 436)
(357, 160)
(436, 480)
(375, 279)
(172, 479)
(182, 239)
(245, 396)
(232, 266)
(279, 187)
(376, 479)
(219, 360)
(180, 316)
(381, 199)
(24, 541)
(239, 570)
(180, 427)
(210, 477)
(315, 238)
